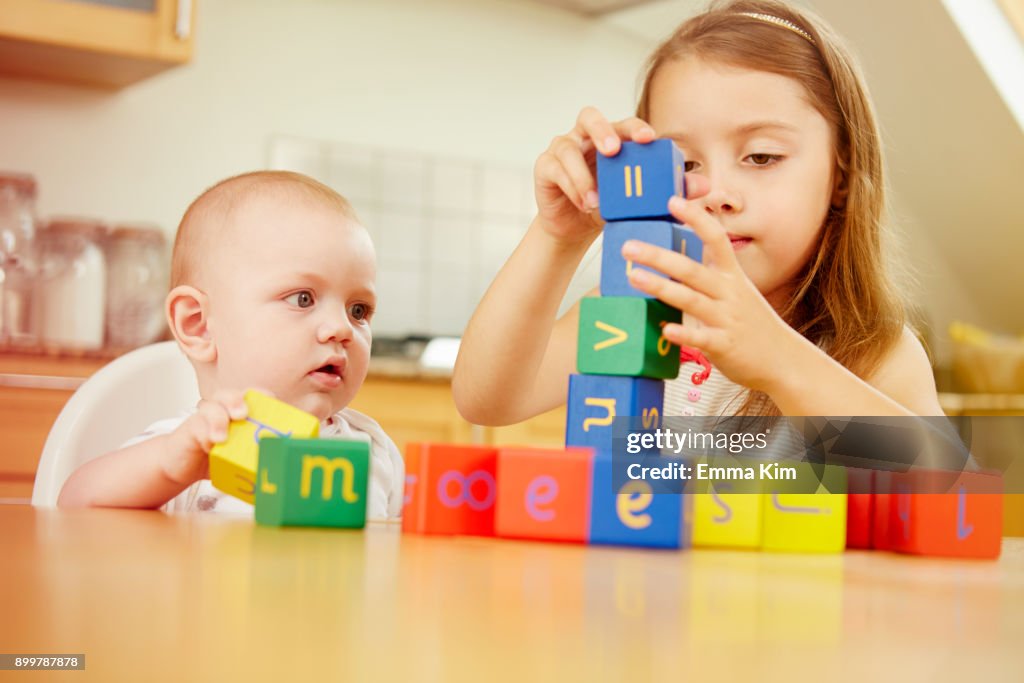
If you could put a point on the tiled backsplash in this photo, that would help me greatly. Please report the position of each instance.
(443, 227)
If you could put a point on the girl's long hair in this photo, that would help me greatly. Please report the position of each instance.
(844, 299)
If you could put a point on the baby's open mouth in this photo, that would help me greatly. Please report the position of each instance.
(330, 369)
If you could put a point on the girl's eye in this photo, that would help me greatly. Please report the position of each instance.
(764, 159)
(303, 299)
(360, 311)
(689, 166)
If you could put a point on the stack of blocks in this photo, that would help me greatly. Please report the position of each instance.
(623, 358)
(296, 471)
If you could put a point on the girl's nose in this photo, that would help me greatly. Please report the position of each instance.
(335, 327)
(722, 197)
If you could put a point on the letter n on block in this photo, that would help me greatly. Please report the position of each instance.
(615, 269)
(313, 482)
(233, 462)
(632, 512)
(639, 180)
(449, 489)
(544, 493)
(621, 335)
(947, 514)
(596, 400)
(808, 514)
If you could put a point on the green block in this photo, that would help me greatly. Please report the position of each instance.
(621, 335)
(312, 482)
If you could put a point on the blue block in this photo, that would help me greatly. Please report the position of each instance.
(665, 234)
(633, 514)
(595, 400)
(639, 180)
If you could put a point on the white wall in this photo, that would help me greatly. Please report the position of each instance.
(482, 79)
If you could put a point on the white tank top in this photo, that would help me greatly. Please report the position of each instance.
(716, 396)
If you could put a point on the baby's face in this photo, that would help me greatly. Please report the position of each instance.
(291, 296)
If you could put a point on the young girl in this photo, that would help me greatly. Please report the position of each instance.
(792, 306)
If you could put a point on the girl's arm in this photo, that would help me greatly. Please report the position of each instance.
(815, 384)
(515, 358)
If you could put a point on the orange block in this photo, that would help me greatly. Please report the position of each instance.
(449, 489)
(544, 493)
(948, 514)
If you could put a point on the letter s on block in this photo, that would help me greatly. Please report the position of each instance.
(633, 499)
(541, 491)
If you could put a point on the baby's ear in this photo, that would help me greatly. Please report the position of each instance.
(187, 314)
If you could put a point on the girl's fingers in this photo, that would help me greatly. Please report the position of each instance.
(578, 171)
(675, 265)
(634, 129)
(592, 124)
(677, 295)
(550, 170)
(716, 240)
(689, 335)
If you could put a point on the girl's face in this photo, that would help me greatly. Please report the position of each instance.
(769, 156)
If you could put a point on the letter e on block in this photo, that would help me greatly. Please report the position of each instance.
(544, 493)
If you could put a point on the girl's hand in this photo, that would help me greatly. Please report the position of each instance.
(564, 175)
(187, 459)
(740, 332)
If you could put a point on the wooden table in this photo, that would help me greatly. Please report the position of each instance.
(190, 598)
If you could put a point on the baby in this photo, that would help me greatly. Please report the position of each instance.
(272, 288)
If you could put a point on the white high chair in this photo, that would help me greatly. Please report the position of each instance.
(118, 402)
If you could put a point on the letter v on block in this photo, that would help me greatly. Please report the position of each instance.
(623, 336)
(618, 336)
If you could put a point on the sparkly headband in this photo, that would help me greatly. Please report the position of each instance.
(772, 19)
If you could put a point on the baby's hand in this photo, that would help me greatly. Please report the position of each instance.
(187, 458)
(564, 175)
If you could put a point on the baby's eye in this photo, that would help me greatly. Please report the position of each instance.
(303, 299)
(689, 166)
(361, 311)
(764, 159)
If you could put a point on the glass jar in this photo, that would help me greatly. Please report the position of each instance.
(18, 260)
(73, 283)
(138, 269)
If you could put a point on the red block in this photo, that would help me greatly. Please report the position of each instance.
(544, 493)
(449, 489)
(881, 484)
(947, 514)
(859, 507)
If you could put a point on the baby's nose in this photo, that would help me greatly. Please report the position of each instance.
(335, 327)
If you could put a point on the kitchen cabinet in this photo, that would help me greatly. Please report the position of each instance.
(35, 387)
(108, 43)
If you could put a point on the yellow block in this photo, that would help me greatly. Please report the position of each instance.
(233, 462)
(727, 520)
(806, 522)
(727, 502)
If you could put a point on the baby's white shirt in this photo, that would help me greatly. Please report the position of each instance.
(387, 469)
